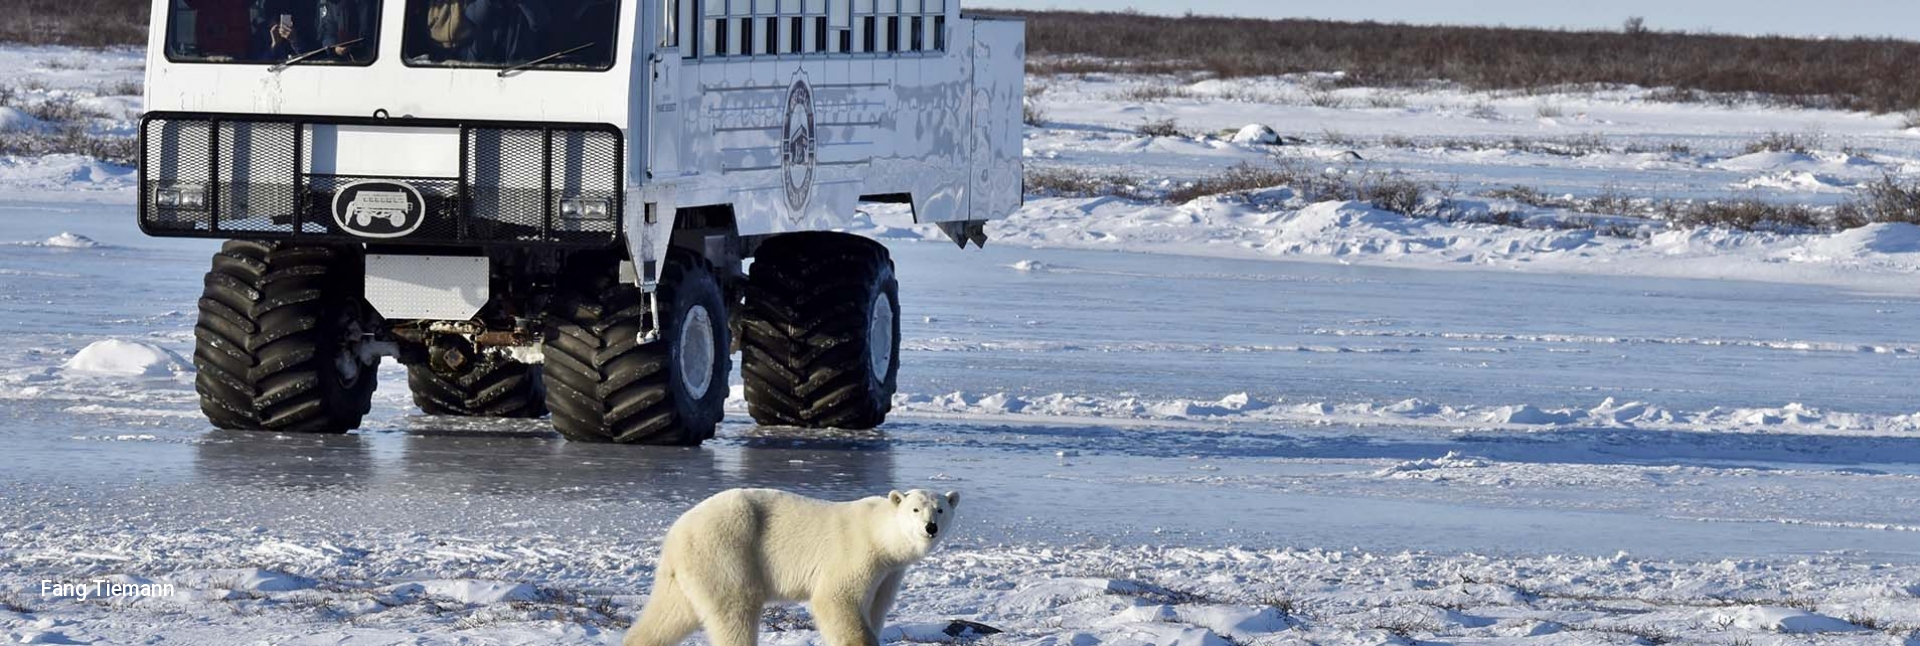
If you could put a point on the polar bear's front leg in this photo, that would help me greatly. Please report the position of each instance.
(883, 597)
(838, 612)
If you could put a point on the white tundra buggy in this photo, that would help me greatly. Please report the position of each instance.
(547, 205)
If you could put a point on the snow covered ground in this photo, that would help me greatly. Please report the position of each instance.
(1616, 144)
(1277, 424)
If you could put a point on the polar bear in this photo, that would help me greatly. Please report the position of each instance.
(741, 549)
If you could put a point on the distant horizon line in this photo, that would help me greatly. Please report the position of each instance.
(1618, 29)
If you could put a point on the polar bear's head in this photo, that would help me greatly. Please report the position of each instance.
(923, 516)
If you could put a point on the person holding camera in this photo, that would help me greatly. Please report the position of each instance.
(342, 28)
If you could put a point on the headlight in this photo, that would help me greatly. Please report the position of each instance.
(586, 209)
(181, 197)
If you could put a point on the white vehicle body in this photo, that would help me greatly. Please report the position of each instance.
(788, 129)
(545, 206)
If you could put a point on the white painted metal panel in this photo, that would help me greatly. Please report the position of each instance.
(381, 151)
(438, 288)
(941, 127)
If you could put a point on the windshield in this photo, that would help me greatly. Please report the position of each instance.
(273, 31)
(576, 34)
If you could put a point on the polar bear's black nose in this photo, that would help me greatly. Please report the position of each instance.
(933, 529)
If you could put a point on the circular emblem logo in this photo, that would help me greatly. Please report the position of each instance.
(378, 209)
(799, 153)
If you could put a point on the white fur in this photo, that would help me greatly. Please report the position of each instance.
(732, 554)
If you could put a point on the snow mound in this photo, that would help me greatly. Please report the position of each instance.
(1324, 218)
(119, 358)
(1531, 628)
(68, 240)
(1414, 408)
(64, 240)
(258, 580)
(1239, 623)
(16, 120)
(1630, 413)
(1193, 409)
(1882, 238)
(468, 591)
(1452, 460)
(1795, 180)
(1783, 620)
(1766, 161)
(1529, 415)
(34, 636)
(1774, 161)
(1258, 135)
(248, 580)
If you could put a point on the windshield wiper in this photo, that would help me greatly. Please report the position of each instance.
(301, 57)
(521, 66)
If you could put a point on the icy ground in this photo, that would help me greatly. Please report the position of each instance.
(1564, 439)
(1154, 450)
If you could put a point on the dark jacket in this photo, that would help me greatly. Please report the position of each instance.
(506, 31)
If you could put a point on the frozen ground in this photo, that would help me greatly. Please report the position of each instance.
(1220, 446)
(1285, 453)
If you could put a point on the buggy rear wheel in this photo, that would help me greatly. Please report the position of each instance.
(820, 346)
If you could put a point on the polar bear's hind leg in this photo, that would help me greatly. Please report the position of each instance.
(668, 617)
(728, 600)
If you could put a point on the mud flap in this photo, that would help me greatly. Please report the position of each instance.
(962, 232)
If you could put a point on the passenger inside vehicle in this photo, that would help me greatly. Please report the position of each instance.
(273, 31)
(499, 33)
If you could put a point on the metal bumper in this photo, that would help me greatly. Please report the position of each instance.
(276, 177)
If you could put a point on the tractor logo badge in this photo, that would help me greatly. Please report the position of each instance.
(800, 151)
(378, 209)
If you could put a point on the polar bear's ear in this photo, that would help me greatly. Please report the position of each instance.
(953, 499)
(895, 496)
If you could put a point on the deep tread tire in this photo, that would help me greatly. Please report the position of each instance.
(805, 347)
(491, 387)
(604, 386)
(275, 320)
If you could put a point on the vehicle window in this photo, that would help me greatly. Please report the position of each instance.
(337, 32)
(568, 34)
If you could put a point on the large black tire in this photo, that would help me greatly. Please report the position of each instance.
(819, 341)
(603, 385)
(275, 342)
(490, 386)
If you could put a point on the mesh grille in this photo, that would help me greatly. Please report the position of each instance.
(181, 154)
(506, 173)
(257, 172)
(256, 176)
(586, 167)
